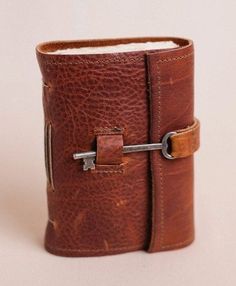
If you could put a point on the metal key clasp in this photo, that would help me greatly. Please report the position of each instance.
(89, 157)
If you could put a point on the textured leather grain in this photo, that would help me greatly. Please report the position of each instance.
(100, 102)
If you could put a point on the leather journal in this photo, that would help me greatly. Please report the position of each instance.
(120, 135)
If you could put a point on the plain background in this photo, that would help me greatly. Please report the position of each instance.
(211, 260)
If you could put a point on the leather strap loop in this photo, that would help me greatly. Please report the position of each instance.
(186, 141)
(109, 149)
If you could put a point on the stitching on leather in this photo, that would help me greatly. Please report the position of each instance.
(160, 169)
(162, 226)
(151, 243)
(162, 202)
(162, 206)
(113, 130)
(94, 250)
(104, 171)
(111, 169)
(105, 61)
(175, 58)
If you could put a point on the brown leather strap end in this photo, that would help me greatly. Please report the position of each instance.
(186, 141)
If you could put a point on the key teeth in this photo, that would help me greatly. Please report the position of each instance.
(88, 164)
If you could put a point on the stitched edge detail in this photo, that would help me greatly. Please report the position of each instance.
(162, 194)
(104, 61)
(154, 219)
(162, 226)
(107, 171)
(94, 250)
(162, 206)
(174, 58)
(109, 130)
(118, 60)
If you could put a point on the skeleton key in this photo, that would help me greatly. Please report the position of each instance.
(89, 157)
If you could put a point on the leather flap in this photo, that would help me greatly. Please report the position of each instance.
(170, 76)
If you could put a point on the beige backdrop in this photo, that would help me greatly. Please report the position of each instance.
(211, 260)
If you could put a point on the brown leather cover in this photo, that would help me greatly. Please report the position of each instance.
(101, 102)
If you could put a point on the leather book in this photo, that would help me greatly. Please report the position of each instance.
(120, 135)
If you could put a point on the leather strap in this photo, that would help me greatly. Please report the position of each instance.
(109, 149)
(170, 77)
(186, 141)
